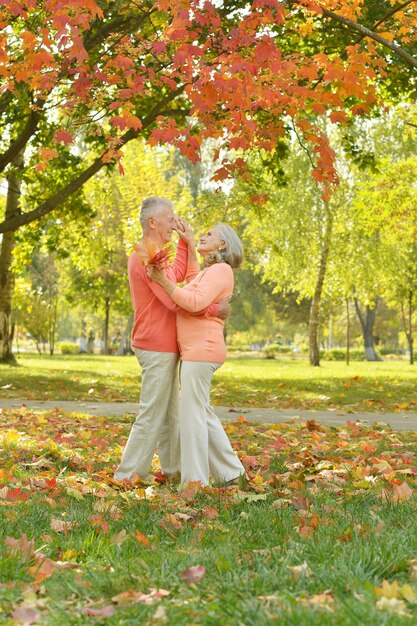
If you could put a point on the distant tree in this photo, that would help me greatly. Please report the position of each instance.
(36, 301)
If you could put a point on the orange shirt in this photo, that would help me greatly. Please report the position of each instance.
(202, 339)
(154, 326)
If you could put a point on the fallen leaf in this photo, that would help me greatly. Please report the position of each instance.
(299, 571)
(392, 605)
(106, 611)
(61, 526)
(25, 615)
(138, 596)
(402, 492)
(193, 574)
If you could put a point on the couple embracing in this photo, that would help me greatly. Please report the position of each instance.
(184, 429)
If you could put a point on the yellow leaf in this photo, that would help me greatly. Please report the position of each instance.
(258, 480)
(408, 593)
(388, 590)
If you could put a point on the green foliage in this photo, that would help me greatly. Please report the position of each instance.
(275, 349)
(35, 301)
(339, 354)
(67, 347)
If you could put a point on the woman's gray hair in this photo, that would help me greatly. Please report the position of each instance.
(152, 206)
(233, 252)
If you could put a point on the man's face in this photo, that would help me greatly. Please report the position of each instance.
(164, 223)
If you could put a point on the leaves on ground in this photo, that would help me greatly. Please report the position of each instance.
(65, 520)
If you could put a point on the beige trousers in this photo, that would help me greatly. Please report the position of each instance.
(205, 447)
(157, 423)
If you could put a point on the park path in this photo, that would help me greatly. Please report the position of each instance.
(397, 421)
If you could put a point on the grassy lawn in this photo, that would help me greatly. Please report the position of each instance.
(324, 533)
(280, 383)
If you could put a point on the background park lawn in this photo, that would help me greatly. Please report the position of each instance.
(275, 383)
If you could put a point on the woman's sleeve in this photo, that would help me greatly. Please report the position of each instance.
(209, 311)
(180, 262)
(216, 282)
(192, 270)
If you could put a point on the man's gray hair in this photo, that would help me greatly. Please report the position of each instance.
(152, 206)
(233, 253)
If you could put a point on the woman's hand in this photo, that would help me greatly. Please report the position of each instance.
(184, 230)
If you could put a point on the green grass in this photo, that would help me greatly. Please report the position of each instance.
(280, 383)
(323, 533)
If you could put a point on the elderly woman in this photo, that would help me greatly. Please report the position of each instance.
(205, 447)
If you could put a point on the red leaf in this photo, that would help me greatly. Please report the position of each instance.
(193, 574)
(158, 46)
(63, 136)
(106, 611)
(141, 538)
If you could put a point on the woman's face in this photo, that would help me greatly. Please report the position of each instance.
(209, 242)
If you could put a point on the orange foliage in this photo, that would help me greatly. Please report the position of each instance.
(232, 76)
(150, 253)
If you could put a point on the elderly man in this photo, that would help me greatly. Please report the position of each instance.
(154, 340)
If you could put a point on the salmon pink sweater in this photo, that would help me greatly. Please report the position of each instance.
(202, 339)
(154, 326)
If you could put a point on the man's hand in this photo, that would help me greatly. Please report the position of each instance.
(184, 230)
(155, 274)
(158, 277)
(224, 309)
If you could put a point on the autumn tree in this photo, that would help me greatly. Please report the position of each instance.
(82, 74)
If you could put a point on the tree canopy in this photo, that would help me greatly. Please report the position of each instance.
(80, 74)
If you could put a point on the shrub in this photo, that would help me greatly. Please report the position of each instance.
(238, 347)
(67, 347)
(339, 354)
(390, 351)
(273, 349)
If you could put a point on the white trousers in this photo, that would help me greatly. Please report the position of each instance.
(205, 447)
(157, 423)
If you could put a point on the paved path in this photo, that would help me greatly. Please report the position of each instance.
(397, 421)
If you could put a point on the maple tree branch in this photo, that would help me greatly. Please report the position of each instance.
(51, 203)
(20, 142)
(5, 100)
(366, 32)
(304, 147)
(105, 30)
(387, 16)
(118, 24)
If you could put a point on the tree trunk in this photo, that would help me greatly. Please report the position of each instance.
(367, 322)
(314, 321)
(125, 346)
(52, 320)
(408, 325)
(347, 332)
(7, 280)
(106, 327)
